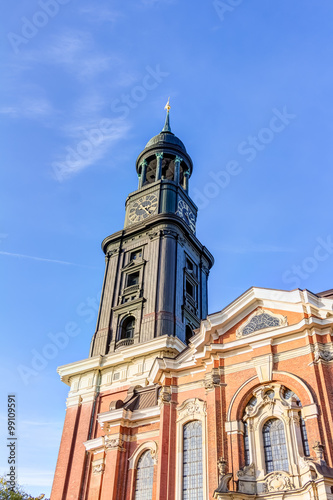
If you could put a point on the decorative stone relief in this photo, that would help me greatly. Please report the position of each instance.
(212, 380)
(278, 481)
(260, 320)
(98, 469)
(222, 465)
(224, 477)
(153, 234)
(112, 443)
(318, 448)
(164, 395)
(169, 232)
(191, 408)
(322, 354)
(248, 470)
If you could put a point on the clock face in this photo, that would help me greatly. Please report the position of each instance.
(186, 214)
(142, 208)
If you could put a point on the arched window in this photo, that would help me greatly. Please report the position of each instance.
(144, 477)
(127, 328)
(192, 461)
(276, 455)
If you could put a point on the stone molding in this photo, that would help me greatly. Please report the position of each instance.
(148, 445)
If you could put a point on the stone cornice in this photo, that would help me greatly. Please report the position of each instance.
(193, 357)
(123, 356)
(154, 221)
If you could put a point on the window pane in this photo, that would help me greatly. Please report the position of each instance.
(276, 456)
(246, 444)
(144, 477)
(192, 461)
(304, 436)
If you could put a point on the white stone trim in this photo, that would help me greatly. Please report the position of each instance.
(128, 418)
(148, 445)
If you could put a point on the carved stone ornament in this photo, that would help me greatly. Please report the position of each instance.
(224, 478)
(153, 234)
(164, 396)
(98, 469)
(278, 481)
(222, 465)
(322, 354)
(113, 252)
(192, 408)
(318, 448)
(212, 380)
(248, 470)
(112, 443)
(169, 232)
(261, 319)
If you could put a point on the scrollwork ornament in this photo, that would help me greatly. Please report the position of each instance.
(191, 408)
(164, 396)
(247, 470)
(98, 469)
(111, 443)
(278, 481)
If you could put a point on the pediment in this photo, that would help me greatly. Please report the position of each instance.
(133, 264)
(260, 320)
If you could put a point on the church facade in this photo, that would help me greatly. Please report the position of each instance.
(176, 404)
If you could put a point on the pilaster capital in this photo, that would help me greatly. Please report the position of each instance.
(159, 155)
(212, 380)
(178, 159)
(164, 396)
(98, 467)
(169, 233)
(112, 443)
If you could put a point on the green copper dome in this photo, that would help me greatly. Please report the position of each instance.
(166, 137)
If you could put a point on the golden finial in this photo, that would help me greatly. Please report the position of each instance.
(167, 106)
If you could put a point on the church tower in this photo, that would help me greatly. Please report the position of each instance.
(156, 269)
(175, 404)
(154, 296)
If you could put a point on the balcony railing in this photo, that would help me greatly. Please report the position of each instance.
(124, 343)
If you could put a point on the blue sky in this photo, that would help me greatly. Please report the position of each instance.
(83, 89)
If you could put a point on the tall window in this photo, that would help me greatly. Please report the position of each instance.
(127, 328)
(304, 435)
(144, 477)
(276, 456)
(246, 444)
(192, 461)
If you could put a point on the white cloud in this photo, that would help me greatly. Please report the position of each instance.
(75, 52)
(90, 146)
(41, 259)
(29, 108)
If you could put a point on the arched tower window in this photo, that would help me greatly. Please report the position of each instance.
(276, 455)
(127, 328)
(144, 477)
(192, 461)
